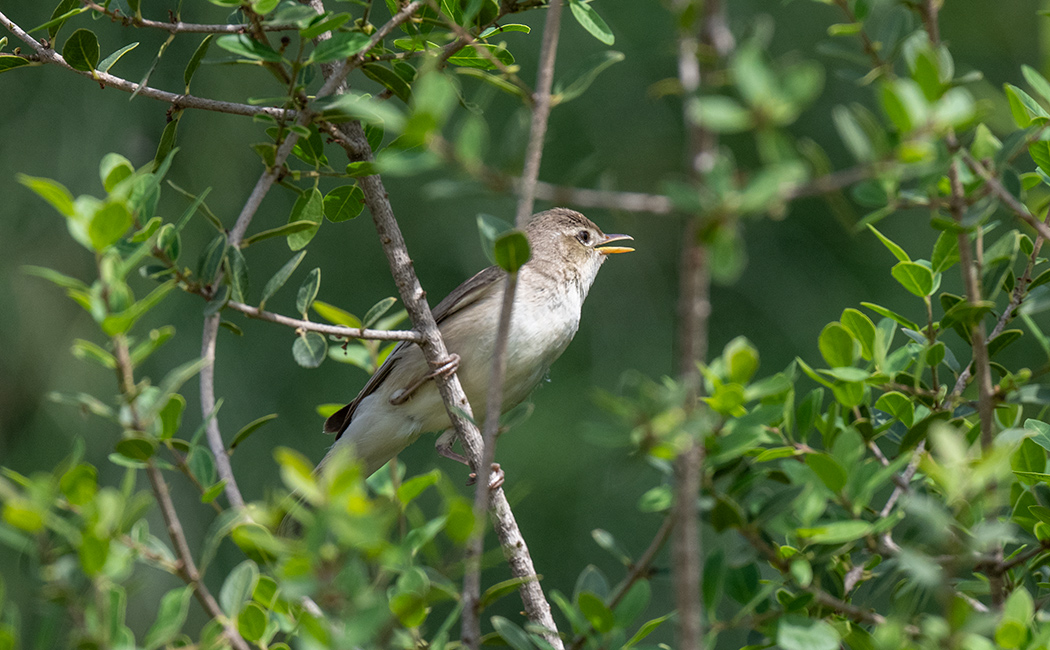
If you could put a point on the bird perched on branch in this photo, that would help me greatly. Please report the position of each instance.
(399, 403)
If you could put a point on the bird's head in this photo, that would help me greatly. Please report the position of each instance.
(572, 242)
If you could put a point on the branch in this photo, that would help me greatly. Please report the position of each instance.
(351, 137)
(47, 55)
(471, 628)
(187, 569)
(701, 24)
(541, 108)
(1004, 195)
(179, 27)
(331, 330)
(1016, 298)
(638, 569)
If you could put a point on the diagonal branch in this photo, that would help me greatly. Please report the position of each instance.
(179, 27)
(321, 328)
(48, 55)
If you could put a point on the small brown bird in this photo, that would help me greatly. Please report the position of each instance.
(398, 404)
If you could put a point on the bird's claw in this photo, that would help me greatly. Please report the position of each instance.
(496, 477)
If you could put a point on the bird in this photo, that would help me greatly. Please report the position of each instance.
(398, 403)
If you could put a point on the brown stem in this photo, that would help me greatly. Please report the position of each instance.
(179, 27)
(187, 568)
(471, 627)
(541, 108)
(331, 330)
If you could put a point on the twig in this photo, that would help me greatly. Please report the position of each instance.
(973, 295)
(638, 570)
(187, 568)
(471, 625)
(48, 55)
(541, 108)
(331, 330)
(1016, 298)
(179, 27)
(1004, 195)
(904, 480)
(869, 47)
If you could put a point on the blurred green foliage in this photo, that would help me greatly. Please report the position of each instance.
(800, 463)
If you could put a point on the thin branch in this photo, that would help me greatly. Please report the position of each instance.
(331, 330)
(1016, 298)
(904, 480)
(541, 108)
(1004, 195)
(179, 27)
(869, 47)
(471, 625)
(187, 568)
(334, 80)
(639, 569)
(47, 55)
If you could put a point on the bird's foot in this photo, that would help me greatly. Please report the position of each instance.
(445, 370)
(496, 477)
(444, 447)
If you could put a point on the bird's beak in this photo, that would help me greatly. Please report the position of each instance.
(609, 250)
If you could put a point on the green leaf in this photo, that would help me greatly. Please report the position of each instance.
(1037, 81)
(515, 637)
(597, 614)
(489, 229)
(646, 630)
(797, 633)
(898, 405)
(10, 62)
(308, 291)
(174, 607)
(344, 203)
(389, 79)
(87, 350)
(413, 487)
(836, 346)
(245, 46)
(123, 321)
(852, 134)
(582, 75)
(945, 251)
(327, 25)
(720, 114)
(914, 277)
(251, 428)
(195, 60)
(308, 207)
(511, 251)
(109, 224)
(838, 532)
(286, 230)
(93, 553)
(861, 327)
(888, 313)
(897, 251)
(237, 588)
(81, 50)
(1023, 108)
(79, 484)
(251, 622)
(310, 349)
(62, 13)
(830, 472)
(167, 139)
(51, 191)
(335, 315)
(633, 603)
(277, 281)
(741, 360)
(342, 45)
(136, 448)
(113, 169)
(112, 59)
(591, 21)
(471, 57)
(238, 274)
(171, 416)
(377, 310)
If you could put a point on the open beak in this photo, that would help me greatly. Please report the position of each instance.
(609, 250)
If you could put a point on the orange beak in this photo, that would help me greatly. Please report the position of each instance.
(609, 250)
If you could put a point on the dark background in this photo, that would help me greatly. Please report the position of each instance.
(802, 271)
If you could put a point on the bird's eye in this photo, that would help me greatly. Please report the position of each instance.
(584, 236)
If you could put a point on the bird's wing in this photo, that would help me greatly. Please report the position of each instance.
(463, 295)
